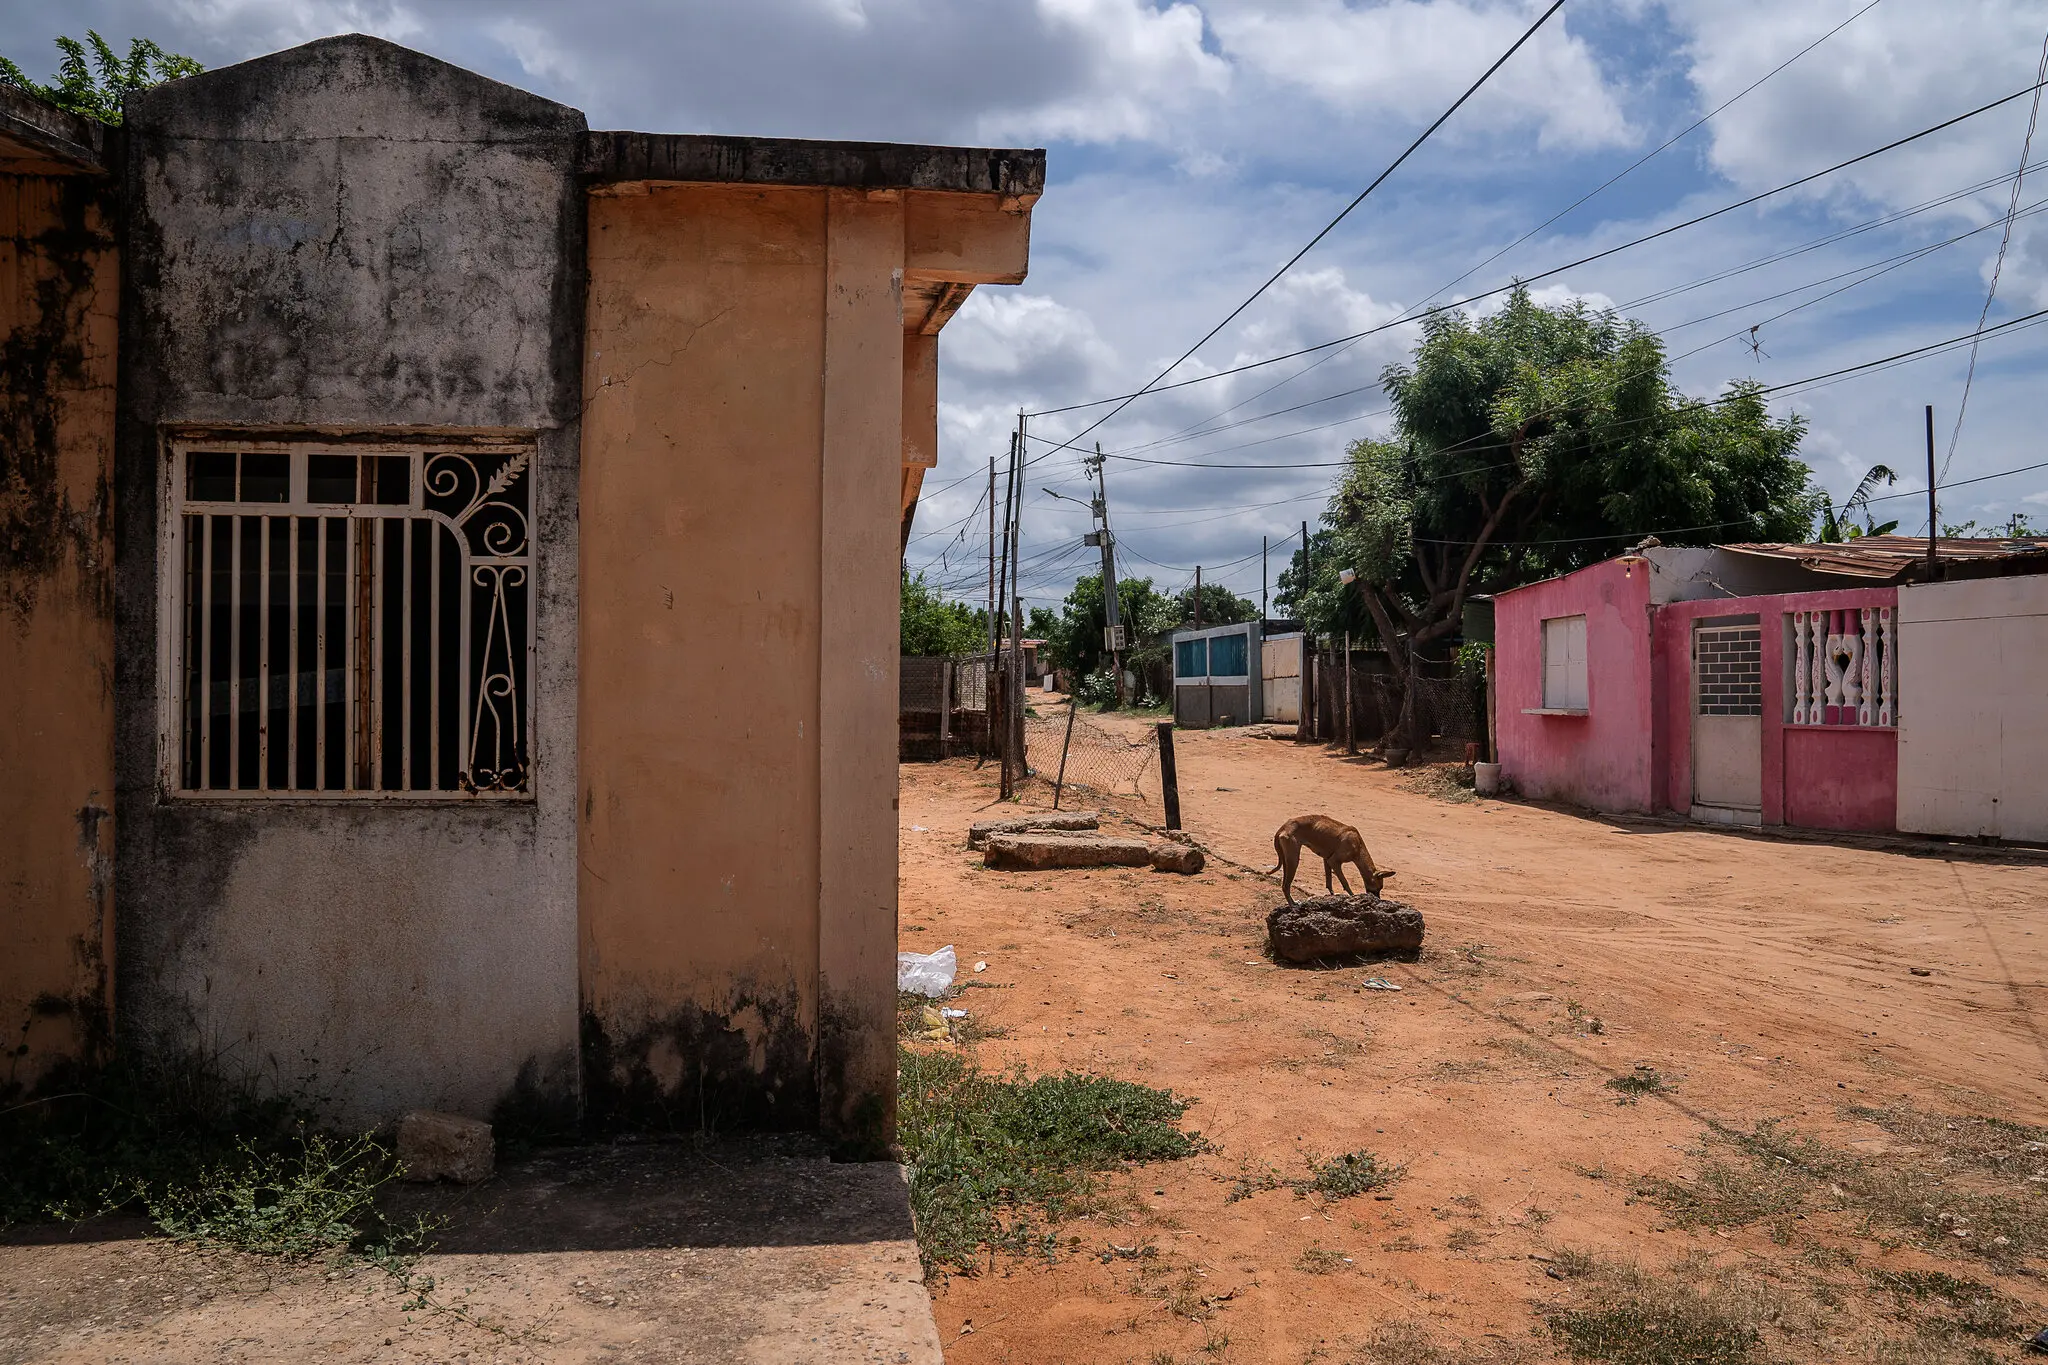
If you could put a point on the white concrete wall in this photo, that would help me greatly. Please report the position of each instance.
(1280, 678)
(1973, 708)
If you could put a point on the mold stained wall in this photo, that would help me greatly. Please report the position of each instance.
(59, 286)
(351, 236)
(1602, 760)
(741, 498)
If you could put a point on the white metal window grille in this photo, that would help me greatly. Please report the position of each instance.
(1564, 663)
(1844, 669)
(348, 621)
(1728, 670)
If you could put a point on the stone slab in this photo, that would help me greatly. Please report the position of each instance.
(979, 832)
(1041, 852)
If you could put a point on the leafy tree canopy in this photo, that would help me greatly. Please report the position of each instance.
(933, 626)
(92, 77)
(1536, 441)
(1076, 642)
(1220, 607)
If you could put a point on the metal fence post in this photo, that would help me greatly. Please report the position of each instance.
(1169, 780)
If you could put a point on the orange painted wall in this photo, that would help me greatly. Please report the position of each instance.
(58, 290)
(698, 724)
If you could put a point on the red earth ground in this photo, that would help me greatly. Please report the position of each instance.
(1762, 979)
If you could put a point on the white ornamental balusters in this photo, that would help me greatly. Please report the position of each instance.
(1801, 688)
(1842, 667)
(1888, 694)
(1831, 657)
(1851, 636)
(1866, 646)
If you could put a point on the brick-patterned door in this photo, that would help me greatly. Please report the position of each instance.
(1727, 721)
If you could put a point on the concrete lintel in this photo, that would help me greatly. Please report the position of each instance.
(40, 139)
(1017, 175)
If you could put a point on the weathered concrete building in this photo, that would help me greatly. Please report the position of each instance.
(497, 667)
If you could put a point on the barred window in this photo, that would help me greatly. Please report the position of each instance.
(348, 621)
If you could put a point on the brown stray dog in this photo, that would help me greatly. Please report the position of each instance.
(1337, 844)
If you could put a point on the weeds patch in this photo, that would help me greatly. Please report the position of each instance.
(996, 1160)
(1321, 1260)
(1627, 1317)
(1644, 1080)
(207, 1159)
(1341, 1177)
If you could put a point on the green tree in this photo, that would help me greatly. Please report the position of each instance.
(933, 626)
(1839, 525)
(1220, 606)
(1076, 643)
(93, 88)
(1534, 442)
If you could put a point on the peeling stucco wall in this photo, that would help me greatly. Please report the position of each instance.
(58, 291)
(350, 236)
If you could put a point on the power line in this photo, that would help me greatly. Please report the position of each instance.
(1125, 399)
(1329, 227)
(2012, 210)
(1690, 129)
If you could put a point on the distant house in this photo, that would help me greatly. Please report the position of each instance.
(450, 654)
(1825, 686)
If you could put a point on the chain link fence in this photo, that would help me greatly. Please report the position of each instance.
(1100, 759)
(1449, 712)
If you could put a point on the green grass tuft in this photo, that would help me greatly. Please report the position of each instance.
(995, 1160)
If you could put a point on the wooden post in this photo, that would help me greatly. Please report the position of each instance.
(1065, 744)
(1933, 512)
(945, 705)
(1350, 730)
(1169, 780)
(1492, 731)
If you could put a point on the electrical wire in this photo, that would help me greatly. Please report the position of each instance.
(2012, 210)
(1124, 400)
(1329, 227)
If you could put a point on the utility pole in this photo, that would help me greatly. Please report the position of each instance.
(991, 558)
(1112, 606)
(1016, 690)
(1933, 510)
(1309, 726)
(1263, 613)
(1198, 597)
(998, 673)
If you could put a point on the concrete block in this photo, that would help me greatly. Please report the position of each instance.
(1343, 926)
(1039, 852)
(980, 830)
(435, 1146)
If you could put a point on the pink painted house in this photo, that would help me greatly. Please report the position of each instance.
(1744, 685)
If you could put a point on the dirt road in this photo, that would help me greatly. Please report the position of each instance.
(1721, 979)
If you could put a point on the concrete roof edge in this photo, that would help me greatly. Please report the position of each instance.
(52, 133)
(692, 158)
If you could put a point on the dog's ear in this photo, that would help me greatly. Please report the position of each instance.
(1386, 872)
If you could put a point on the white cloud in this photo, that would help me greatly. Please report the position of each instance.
(1894, 71)
(1139, 63)
(1407, 58)
(284, 23)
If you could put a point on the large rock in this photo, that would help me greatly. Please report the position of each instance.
(979, 832)
(1038, 852)
(1343, 926)
(435, 1146)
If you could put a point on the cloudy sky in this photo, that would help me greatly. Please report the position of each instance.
(1195, 146)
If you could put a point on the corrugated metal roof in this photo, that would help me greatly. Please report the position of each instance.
(1891, 557)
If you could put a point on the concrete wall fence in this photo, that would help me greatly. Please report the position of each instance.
(650, 877)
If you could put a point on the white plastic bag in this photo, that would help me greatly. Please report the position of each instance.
(926, 974)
